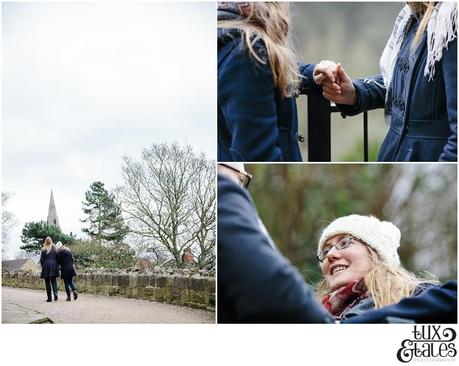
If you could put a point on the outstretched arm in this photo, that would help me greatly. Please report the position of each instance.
(437, 304)
(313, 77)
(355, 96)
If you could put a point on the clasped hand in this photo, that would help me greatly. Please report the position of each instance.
(336, 84)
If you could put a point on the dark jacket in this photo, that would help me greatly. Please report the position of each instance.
(255, 123)
(256, 284)
(65, 260)
(423, 113)
(436, 304)
(48, 263)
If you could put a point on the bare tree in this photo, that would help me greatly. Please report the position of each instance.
(8, 220)
(144, 248)
(169, 198)
(203, 200)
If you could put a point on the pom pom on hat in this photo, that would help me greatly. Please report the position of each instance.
(382, 236)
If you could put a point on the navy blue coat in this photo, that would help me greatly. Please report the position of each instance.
(255, 123)
(423, 113)
(65, 260)
(49, 263)
(437, 304)
(256, 284)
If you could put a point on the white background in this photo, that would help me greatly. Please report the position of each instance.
(204, 344)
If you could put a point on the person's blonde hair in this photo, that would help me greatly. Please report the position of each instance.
(269, 22)
(47, 244)
(424, 9)
(386, 284)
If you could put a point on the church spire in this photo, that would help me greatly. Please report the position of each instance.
(52, 213)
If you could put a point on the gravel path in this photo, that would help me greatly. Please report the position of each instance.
(95, 309)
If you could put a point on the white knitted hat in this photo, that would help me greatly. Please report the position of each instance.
(382, 236)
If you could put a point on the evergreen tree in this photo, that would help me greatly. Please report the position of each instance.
(35, 233)
(104, 220)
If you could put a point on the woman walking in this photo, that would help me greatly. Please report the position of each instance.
(65, 260)
(49, 268)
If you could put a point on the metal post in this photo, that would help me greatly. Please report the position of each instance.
(365, 136)
(319, 129)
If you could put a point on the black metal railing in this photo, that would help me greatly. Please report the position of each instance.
(319, 129)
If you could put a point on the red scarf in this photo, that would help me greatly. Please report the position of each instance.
(346, 297)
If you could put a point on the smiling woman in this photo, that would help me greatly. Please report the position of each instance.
(361, 267)
(344, 266)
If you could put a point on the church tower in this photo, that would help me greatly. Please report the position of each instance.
(52, 213)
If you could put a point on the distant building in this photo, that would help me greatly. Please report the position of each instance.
(187, 257)
(52, 213)
(20, 265)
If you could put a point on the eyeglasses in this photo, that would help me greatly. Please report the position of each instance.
(342, 244)
(243, 177)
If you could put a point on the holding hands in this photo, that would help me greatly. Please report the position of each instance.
(337, 86)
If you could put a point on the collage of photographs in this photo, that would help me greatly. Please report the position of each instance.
(244, 163)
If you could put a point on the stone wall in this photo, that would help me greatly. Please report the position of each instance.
(194, 290)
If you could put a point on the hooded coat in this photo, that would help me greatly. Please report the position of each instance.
(255, 122)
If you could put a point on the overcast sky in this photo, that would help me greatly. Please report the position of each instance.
(87, 83)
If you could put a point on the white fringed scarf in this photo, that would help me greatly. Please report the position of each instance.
(441, 29)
